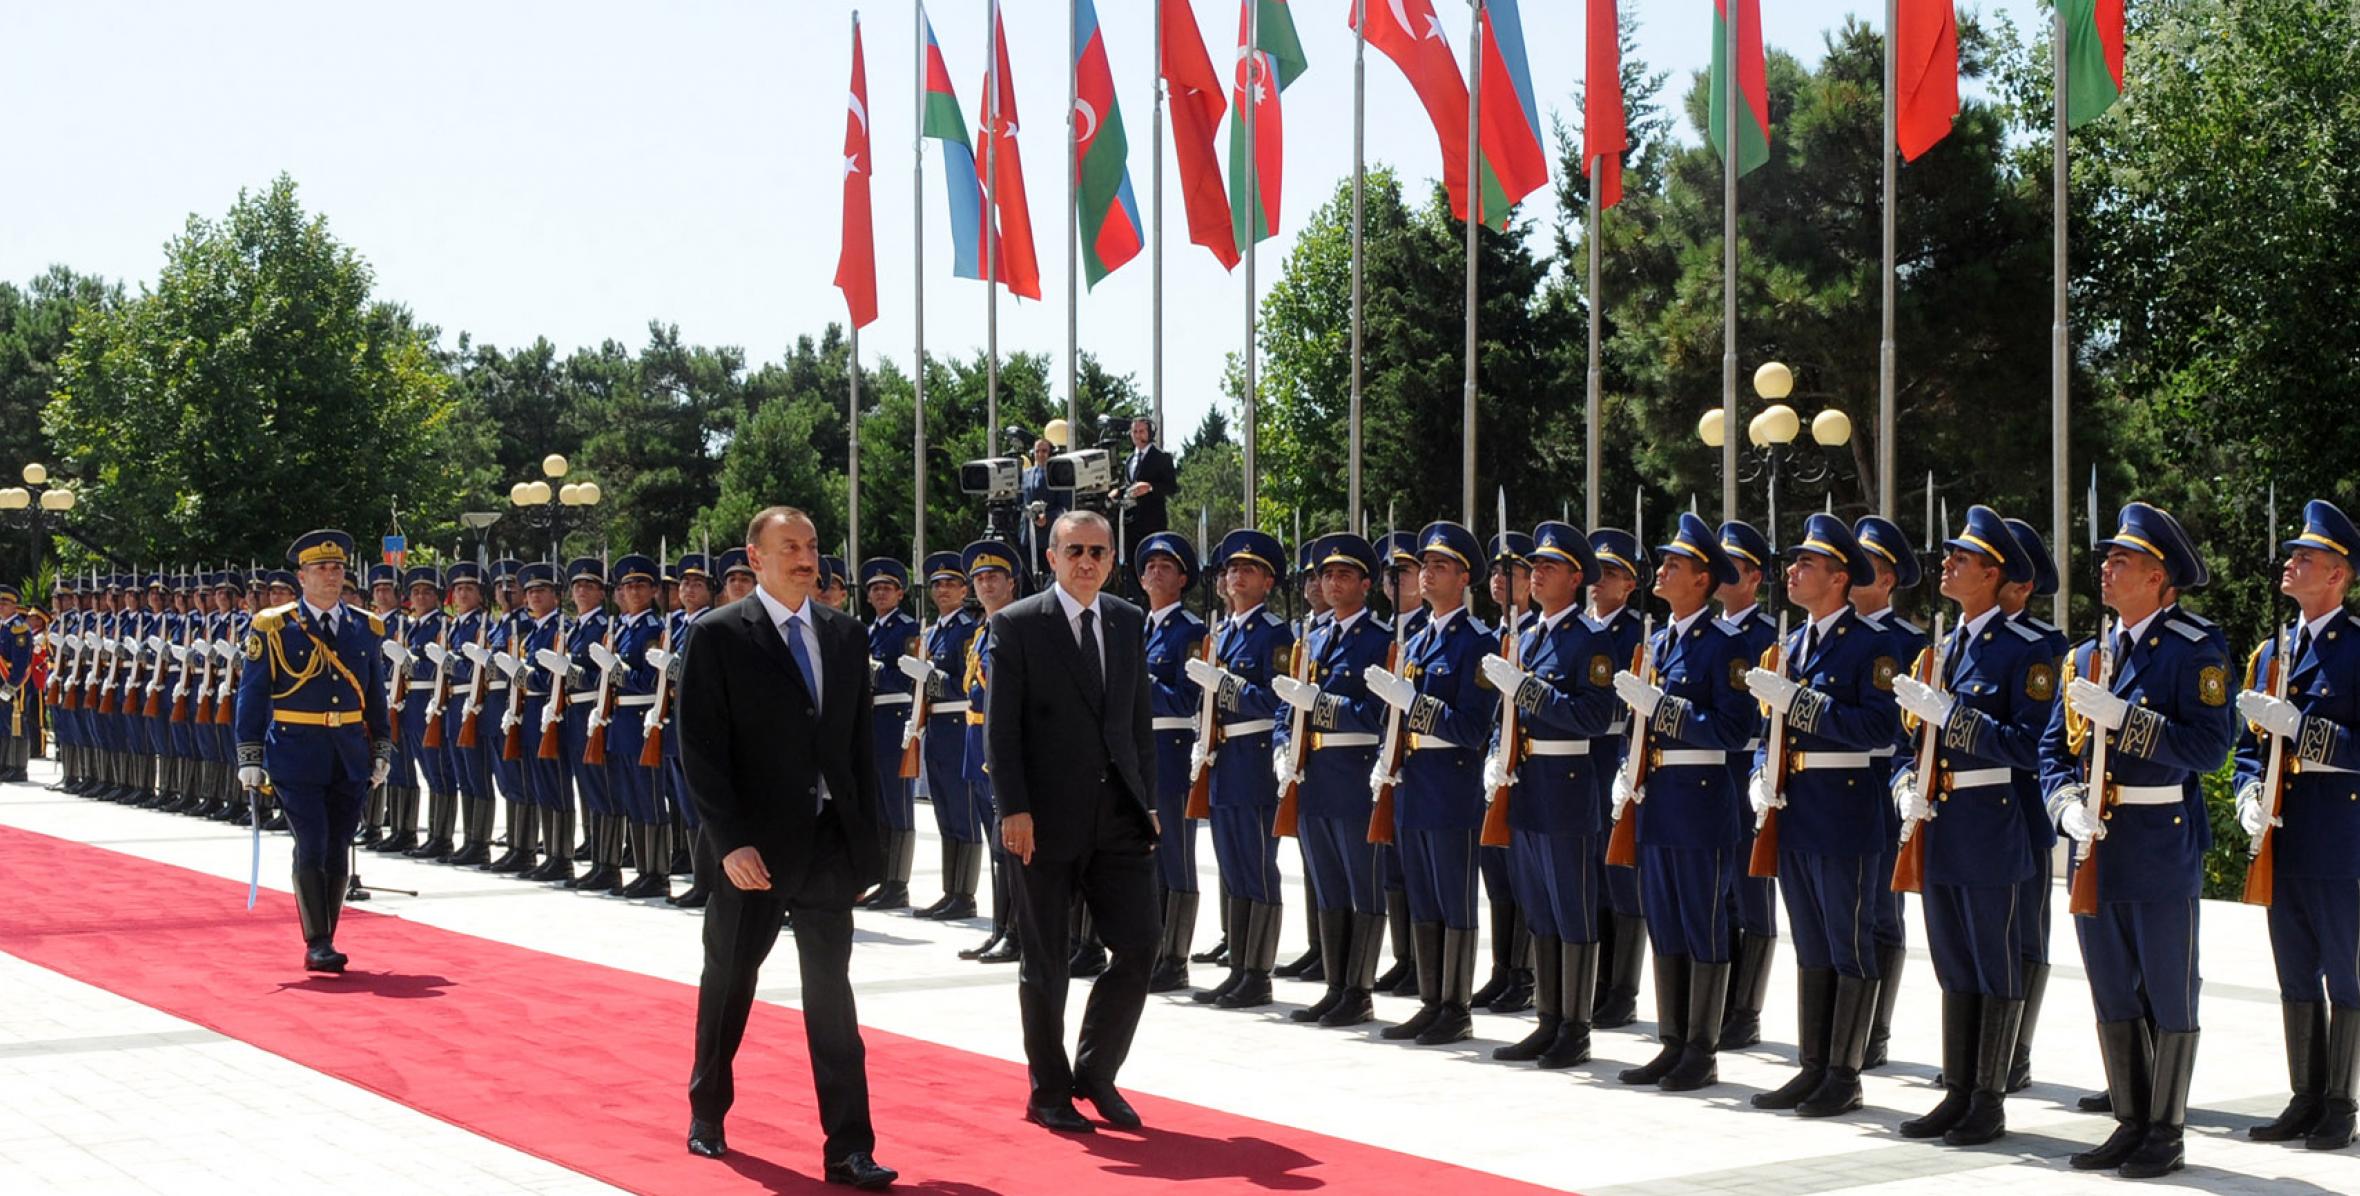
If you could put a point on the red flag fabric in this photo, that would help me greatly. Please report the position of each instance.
(1019, 268)
(1605, 133)
(856, 260)
(1197, 105)
(1925, 67)
(1409, 33)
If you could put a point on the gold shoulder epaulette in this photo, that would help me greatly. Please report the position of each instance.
(271, 618)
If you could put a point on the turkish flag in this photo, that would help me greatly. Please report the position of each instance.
(856, 261)
(1409, 33)
(1925, 67)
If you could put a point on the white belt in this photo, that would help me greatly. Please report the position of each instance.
(947, 708)
(1620, 726)
(1342, 739)
(636, 700)
(1174, 724)
(584, 694)
(493, 685)
(891, 700)
(1822, 761)
(1251, 727)
(1975, 778)
(1883, 753)
(2302, 767)
(1751, 746)
(1556, 747)
(2144, 795)
(1428, 743)
(1691, 758)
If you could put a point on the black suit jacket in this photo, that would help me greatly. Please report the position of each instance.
(1163, 480)
(1048, 739)
(756, 750)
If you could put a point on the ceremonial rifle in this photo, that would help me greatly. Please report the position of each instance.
(1496, 832)
(2261, 868)
(651, 747)
(2085, 878)
(1208, 727)
(553, 711)
(1909, 868)
(1622, 845)
(432, 736)
(1389, 753)
(1763, 863)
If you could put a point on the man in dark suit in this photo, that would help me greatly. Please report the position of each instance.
(1071, 756)
(774, 733)
(1149, 480)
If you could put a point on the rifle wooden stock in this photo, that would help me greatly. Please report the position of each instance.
(180, 709)
(553, 726)
(913, 735)
(1762, 864)
(1380, 815)
(1496, 831)
(1208, 736)
(225, 711)
(1909, 866)
(469, 736)
(2261, 871)
(1622, 844)
(651, 750)
(432, 736)
(2084, 900)
(1287, 822)
(594, 747)
(154, 704)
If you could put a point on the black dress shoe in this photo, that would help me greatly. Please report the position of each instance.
(705, 1140)
(1060, 1117)
(863, 1172)
(692, 899)
(324, 959)
(1112, 1108)
(1009, 951)
(892, 896)
(1088, 961)
(987, 946)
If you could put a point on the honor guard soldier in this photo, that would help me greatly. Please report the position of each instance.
(540, 717)
(179, 673)
(468, 674)
(385, 801)
(430, 646)
(737, 576)
(1691, 817)
(1309, 592)
(1562, 690)
(1509, 987)
(64, 657)
(1613, 610)
(586, 693)
(2033, 900)
(694, 590)
(143, 702)
(504, 700)
(835, 579)
(1167, 568)
(1343, 722)
(1398, 553)
(2167, 721)
(893, 634)
(2305, 713)
(1753, 902)
(943, 735)
(1831, 699)
(312, 725)
(1446, 710)
(16, 699)
(1998, 687)
(231, 596)
(1253, 646)
(1897, 568)
(992, 575)
(638, 629)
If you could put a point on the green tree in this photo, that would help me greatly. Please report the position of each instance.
(255, 392)
(36, 324)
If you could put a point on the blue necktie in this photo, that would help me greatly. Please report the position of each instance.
(802, 656)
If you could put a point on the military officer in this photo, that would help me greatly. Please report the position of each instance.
(1691, 816)
(179, 750)
(893, 634)
(434, 650)
(1897, 568)
(1561, 688)
(991, 571)
(2308, 719)
(1509, 987)
(414, 768)
(1986, 719)
(64, 656)
(16, 701)
(1254, 645)
(1343, 723)
(943, 736)
(2166, 716)
(312, 724)
(1167, 570)
(1446, 709)
(1622, 936)
(2032, 902)
(1753, 899)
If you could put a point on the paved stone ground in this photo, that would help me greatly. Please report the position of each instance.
(103, 1095)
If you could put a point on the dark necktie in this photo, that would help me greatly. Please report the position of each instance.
(1092, 666)
(1810, 643)
(802, 657)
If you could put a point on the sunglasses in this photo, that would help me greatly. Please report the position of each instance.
(1096, 552)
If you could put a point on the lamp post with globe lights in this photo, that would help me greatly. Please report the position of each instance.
(554, 511)
(33, 505)
(1771, 455)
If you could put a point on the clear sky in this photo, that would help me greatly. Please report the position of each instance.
(574, 170)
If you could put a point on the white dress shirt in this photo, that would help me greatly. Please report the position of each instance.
(779, 614)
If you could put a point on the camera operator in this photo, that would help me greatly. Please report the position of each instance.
(1042, 505)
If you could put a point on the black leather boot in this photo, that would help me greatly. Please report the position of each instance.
(1507, 925)
(1260, 951)
(1218, 953)
(1847, 1044)
(655, 876)
(1548, 997)
(1426, 939)
(1236, 907)
(2334, 1131)
(315, 890)
(1335, 934)
(1397, 931)
(519, 856)
(1671, 1021)
(2127, 1050)
(1518, 998)
(1618, 1001)
(1995, 1051)
(2164, 1148)
(1890, 957)
(1171, 967)
(1308, 965)
(2306, 1070)
(2036, 988)
(1578, 972)
(1367, 938)
(1455, 1022)
(1749, 986)
(1708, 996)
(950, 875)
(1962, 1015)
(1815, 1019)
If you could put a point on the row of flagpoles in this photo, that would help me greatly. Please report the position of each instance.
(1487, 127)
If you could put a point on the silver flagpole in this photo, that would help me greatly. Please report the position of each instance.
(1885, 350)
(1073, 231)
(918, 259)
(2060, 342)
(1474, 225)
(1252, 201)
(991, 232)
(1595, 376)
(1359, 185)
(1155, 251)
(852, 407)
(1731, 430)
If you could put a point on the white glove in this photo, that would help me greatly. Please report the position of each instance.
(915, 669)
(476, 654)
(437, 653)
(1759, 796)
(155, 644)
(661, 660)
(1923, 700)
(394, 653)
(1204, 672)
(1378, 777)
(1640, 696)
(1624, 795)
(382, 770)
(222, 649)
(1282, 763)
(1778, 692)
(2277, 716)
(554, 661)
(1907, 801)
(2250, 813)
(508, 664)
(1391, 690)
(2096, 703)
(602, 656)
(1199, 759)
(507, 721)
(1495, 770)
(251, 776)
(179, 654)
(1302, 695)
(2077, 824)
(1504, 677)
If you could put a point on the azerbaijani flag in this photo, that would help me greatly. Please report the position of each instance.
(1513, 164)
(2094, 51)
(943, 121)
(1109, 213)
(1753, 85)
(1269, 56)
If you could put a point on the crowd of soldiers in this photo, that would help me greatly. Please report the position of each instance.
(1599, 777)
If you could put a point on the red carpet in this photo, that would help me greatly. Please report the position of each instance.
(587, 1066)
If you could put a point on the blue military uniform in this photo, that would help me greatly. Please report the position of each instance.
(1753, 900)
(540, 723)
(2314, 902)
(586, 689)
(1251, 647)
(1174, 636)
(1623, 931)
(2032, 906)
(682, 625)
(427, 638)
(943, 746)
(1509, 987)
(311, 716)
(16, 697)
(1398, 554)
(468, 763)
(892, 636)
(2172, 671)
(639, 813)
(503, 716)
(975, 683)
(1889, 547)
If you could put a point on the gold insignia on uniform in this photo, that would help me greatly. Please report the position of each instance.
(2212, 685)
(909, 647)
(2041, 683)
(253, 646)
(1601, 669)
(1887, 669)
(1737, 671)
(1282, 659)
(1483, 682)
